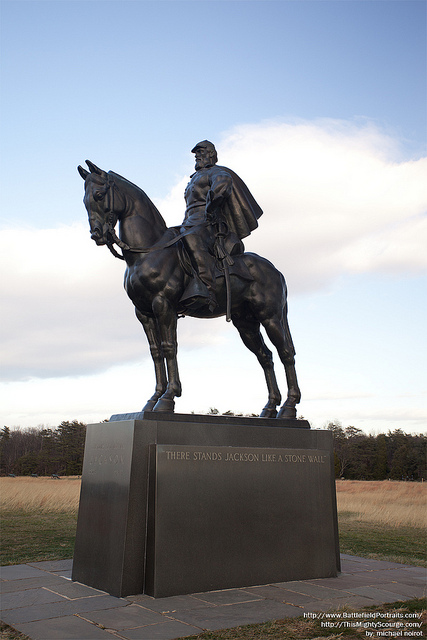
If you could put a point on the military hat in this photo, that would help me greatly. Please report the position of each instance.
(204, 144)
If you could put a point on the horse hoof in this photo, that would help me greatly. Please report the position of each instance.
(268, 413)
(164, 404)
(149, 406)
(287, 412)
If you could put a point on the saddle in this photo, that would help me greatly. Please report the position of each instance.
(230, 250)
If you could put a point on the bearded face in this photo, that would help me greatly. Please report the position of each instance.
(204, 158)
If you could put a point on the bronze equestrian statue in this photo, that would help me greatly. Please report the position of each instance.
(198, 269)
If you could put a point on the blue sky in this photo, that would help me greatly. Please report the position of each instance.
(319, 105)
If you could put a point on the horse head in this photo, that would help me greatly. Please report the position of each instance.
(104, 204)
(108, 198)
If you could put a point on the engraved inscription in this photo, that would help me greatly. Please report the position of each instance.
(102, 458)
(242, 457)
(178, 455)
(114, 462)
(109, 445)
(321, 459)
(228, 454)
(207, 455)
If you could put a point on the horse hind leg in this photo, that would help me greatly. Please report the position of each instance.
(277, 329)
(249, 331)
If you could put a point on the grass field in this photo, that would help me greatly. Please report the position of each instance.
(38, 518)
(390, 503)
(384, 520)
(46, 495)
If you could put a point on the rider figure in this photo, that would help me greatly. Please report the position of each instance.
(214, 194)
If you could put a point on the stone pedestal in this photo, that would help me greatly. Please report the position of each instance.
(173, 504)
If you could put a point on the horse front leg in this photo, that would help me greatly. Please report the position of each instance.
(153, 336)
(166, 318)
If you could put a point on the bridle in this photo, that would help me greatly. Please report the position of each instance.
(111, 221)
(112, 237)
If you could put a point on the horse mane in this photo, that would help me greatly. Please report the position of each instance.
(136, 192)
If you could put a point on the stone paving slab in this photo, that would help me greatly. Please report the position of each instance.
(352, 567)
(170, 604)
(405, 576)
(19, 571)
(273, 592)
(28, 598)
(53, 565)
(235, 615)
(350, 600)
(47, 580)
(296, 599)
(73, 590)
(165, 631)
(60, 609)
(422, 571)
(345, 580)
(373, 563)
(308, 589)
(409, 591)
(227, 596)
(63, 574)
(125, 617)
(381, 595)
(65, 628)
(40, 601)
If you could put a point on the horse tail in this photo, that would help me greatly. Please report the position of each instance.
(284, 318)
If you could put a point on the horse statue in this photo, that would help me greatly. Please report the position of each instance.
(159, 281)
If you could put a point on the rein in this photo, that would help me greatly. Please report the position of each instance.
(114, 239)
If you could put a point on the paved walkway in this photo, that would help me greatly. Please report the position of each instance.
(40, 600)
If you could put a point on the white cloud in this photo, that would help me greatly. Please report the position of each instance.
(64, 309)
(336, 198)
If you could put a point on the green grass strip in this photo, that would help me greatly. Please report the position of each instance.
(35, 536)
(406, 545)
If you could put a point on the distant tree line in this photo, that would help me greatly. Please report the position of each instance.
(43, 451)
(395, 455)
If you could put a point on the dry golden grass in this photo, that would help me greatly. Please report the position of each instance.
(391, 503)
(383, 502)
(41, 494)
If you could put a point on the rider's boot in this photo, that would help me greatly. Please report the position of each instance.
(206, 273)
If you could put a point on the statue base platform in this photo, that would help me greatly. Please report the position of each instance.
(173, 504)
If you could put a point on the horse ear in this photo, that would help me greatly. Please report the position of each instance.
(95, 169)
(84, 174)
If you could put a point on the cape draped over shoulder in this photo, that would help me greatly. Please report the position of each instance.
(240, 211)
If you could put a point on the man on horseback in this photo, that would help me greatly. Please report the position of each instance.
(218, 205)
